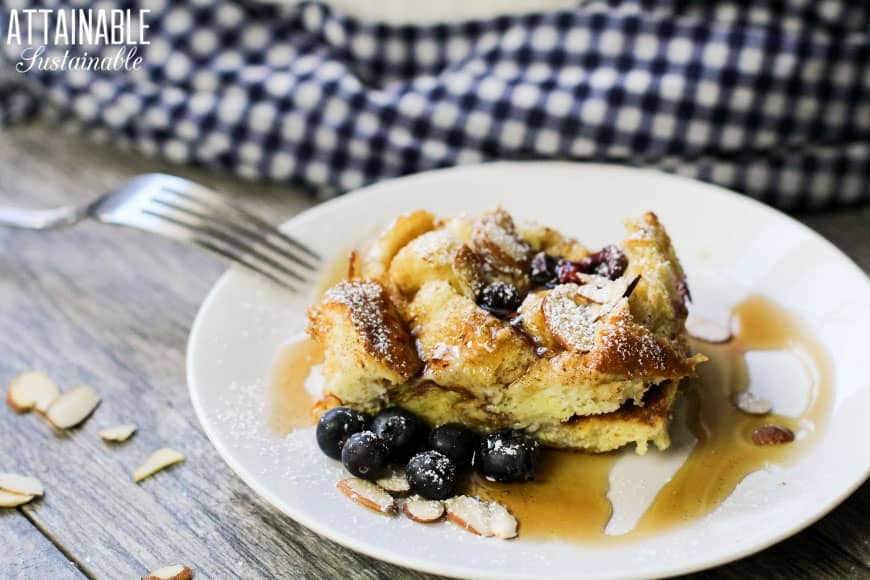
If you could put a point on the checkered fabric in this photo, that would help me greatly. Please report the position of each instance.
(768, 98)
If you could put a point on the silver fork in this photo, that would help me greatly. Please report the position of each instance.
(188, 212)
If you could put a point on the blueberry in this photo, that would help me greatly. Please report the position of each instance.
(609, 262)
(500, 298)
(335, 426)
(567, 271)
(401, 430)
(432, 475)
(507, 456)
(454, 440)
(543, 268)
(365, 455)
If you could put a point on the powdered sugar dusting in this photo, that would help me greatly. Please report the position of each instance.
(496, 238)
(374, 318)
(640, 351)
(571, 317)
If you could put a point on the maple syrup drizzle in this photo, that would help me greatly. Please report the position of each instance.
(289, 402)
(725, 454)
(568, 500)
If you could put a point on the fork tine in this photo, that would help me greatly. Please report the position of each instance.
(241, 259)
(255, 237)
(202, 195)
(206, 236)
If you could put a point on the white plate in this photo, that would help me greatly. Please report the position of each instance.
(729, 245)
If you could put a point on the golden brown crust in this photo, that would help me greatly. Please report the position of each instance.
(544, 239)
(383, 333)
(367, 346)
(376, 258)
(658, 301)
(463, 345)
(436, 255)
(624, 348)
(506, 254)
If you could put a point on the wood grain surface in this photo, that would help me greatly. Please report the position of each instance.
(112, 307)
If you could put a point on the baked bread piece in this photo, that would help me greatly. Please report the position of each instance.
(631, 423)
(463, 345)
(591, 360)
(367, 346)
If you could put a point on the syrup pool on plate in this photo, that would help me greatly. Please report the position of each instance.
(569, 498)
(290, 402)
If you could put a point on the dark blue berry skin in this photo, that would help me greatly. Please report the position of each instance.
(335, 426)
(507, 456)
(500, 299)
(543, 269)
(609, 262)
(365, 455)
(454, 440)
(431, 475)
(401, 430)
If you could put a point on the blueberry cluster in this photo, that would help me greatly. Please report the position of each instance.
(503, 299)
(433, 459)
(609, 262)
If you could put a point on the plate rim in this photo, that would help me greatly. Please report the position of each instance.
(448, 569)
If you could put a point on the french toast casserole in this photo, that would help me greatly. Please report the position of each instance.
(492, 324)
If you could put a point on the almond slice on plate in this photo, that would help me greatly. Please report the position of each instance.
(31, 390)
(20, 484)
(157, 461)
(751, 404)
(73, 407)
(484, 518)
(772, 435)
(367, 494)
(707, 330)
(175, 572)
(118, 433)
(9, 499)
(395, 482)
(423, 510)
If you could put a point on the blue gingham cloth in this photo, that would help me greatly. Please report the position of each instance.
(769, 98)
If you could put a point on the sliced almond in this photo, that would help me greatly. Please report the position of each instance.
(9, 499)
(329, 401)
(772, 435)
(604, 290)
(395, 482)
(494, 237)
(73, 407)
(484, 518)
(175, 572)
(31, 390)
(367, 494)
(118, 433)
(157, 461)
(423, 510)
(707, 330)
(570, 317)
(20, 484)
(751, 404)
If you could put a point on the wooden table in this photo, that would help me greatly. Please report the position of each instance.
(112, 308)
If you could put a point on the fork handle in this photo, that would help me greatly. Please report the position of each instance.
(40, 219)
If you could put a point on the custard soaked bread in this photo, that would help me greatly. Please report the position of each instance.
(478, 321)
